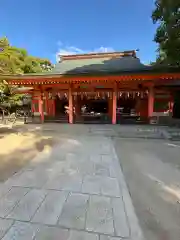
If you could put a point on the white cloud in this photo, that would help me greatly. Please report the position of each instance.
(70, 50)
(104, 49)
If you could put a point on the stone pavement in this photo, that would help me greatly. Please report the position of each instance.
(75, 192)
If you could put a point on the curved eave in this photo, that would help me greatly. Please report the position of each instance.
(39, 79)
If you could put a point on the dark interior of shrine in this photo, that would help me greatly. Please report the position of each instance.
(60, 104)
(96, 110)
(126, 104)
(96, 105)
(176, 107)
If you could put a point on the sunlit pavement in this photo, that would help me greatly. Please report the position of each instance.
(76, 190)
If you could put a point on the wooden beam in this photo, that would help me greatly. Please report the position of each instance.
(61, 79)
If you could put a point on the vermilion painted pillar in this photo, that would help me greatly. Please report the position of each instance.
(41, 110)
(114, 106)
(150, 102)
(70, 106)
(46, 103)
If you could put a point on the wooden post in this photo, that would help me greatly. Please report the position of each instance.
(114, 106)
(70, 106)
(150, 102)
(46, 103)
(41, 109)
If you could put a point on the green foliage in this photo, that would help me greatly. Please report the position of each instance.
(167, 16)
(15, 60)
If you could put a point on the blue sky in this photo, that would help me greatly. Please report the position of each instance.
(48, 27)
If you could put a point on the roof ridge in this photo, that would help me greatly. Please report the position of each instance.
(131, 53)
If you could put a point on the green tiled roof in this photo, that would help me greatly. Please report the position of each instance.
(98, 65)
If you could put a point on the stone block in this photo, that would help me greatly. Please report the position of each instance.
(51, 208)
(74, 211)
(4, 189)
(108, 159)
(110, 187)
(28, 205)
(112, 171)
(5, 224)
(91, 185)
(120, 218)
(82, 167)
(21, 231)
(106, 148)
(80, 235)
(8, 202)
(68, 182)
(99, 215)
(104, 237)
(101, 169)
(51, 233)
(32, 178)
(95, 158)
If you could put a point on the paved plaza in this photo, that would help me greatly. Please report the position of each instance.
(76, 191)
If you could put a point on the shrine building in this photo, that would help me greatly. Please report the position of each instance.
(107, 87)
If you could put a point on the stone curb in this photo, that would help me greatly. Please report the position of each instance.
(135, 229)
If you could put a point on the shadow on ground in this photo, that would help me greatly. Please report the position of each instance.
(19, 149)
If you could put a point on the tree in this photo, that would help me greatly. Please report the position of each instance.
(167, 15)
(15, 60)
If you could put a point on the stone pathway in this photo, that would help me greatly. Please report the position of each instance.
(75, 192)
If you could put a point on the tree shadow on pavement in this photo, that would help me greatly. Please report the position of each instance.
(14, 159)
